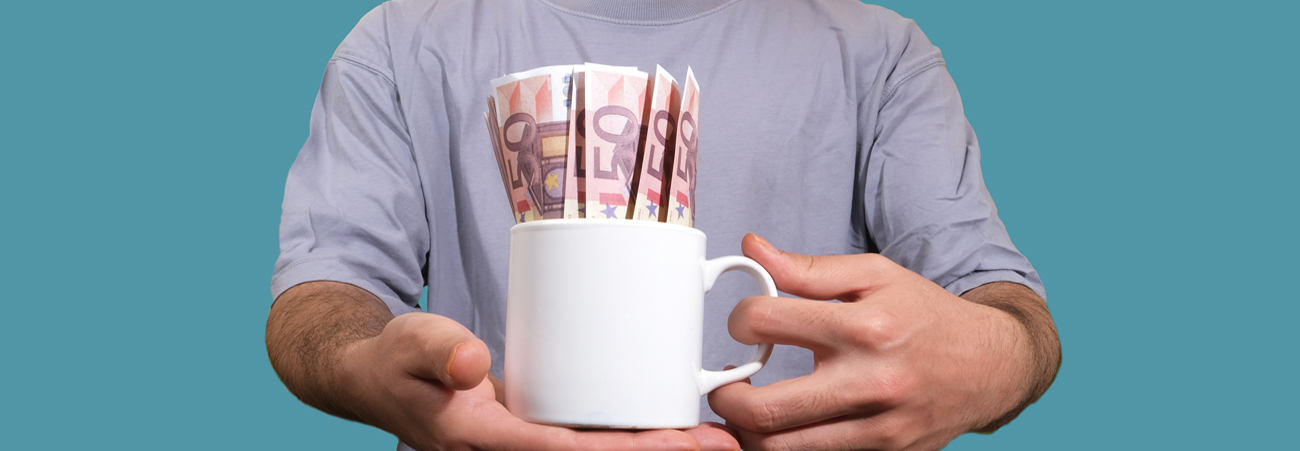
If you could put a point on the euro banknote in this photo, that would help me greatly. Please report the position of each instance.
(614, 98)
(661, 121)
(533, 123)
(596, 141)
(490, 119)
(575, 176)
(681, 184)
(521, 205)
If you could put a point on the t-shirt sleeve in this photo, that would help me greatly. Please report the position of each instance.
(353, 207)
(926, 204)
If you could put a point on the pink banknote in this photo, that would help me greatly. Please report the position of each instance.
(533, 122)
(681, 185)
(521, 205)
(575, 177)
(493, 132)
(657, 145)
(614, 99)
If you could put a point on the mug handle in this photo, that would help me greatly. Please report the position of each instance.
(710, 380)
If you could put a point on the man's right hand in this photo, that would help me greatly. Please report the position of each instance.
(425, 379)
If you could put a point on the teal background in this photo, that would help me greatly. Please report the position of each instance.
(1142, 155)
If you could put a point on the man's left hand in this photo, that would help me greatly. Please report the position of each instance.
(900, 364)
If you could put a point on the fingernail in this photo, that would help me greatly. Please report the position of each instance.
(452, 360)
(763, 242)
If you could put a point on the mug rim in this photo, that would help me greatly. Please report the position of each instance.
(577, 223)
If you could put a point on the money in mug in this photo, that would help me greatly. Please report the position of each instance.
(604, 323)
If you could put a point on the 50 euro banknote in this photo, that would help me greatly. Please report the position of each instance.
(614, 100)
(529, 120)
(656, 147)
(596, 141)
(679, 192)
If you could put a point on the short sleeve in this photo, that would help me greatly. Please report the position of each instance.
(926, 204)
(353, 207)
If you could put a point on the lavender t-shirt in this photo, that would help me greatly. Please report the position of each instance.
(826, 126)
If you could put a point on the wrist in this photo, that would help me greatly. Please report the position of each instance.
(1038, 352)
(1015, 376)
(353, 382)
(371, 390)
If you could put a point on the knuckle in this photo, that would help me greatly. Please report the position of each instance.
(893, 387)
(430, 344)
(399, 328)
(877, 261)
(809, 267)
(417, 328)
(752, 314)
(401, 336)
(877, 329)
(765, 416)
(891, 435)
(808, 264)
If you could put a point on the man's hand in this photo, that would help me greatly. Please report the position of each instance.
(422, 377)
(901, 364)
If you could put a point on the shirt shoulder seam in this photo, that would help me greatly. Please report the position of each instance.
(889, 93)
(300, 262)
(367, 66)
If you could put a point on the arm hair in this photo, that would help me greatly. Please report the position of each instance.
(1045, 345)
(308, 327)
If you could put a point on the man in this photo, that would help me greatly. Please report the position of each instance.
(829, 127)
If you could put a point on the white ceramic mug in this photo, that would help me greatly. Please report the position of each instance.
(605, 323)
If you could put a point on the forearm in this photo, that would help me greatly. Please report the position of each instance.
(1044, 345)
(309, 327)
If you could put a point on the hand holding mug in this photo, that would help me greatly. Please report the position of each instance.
(424, 379)
(901, 363)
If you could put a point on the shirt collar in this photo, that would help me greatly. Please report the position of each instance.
(641, 12)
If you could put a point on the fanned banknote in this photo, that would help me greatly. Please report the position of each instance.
(596, 141)
(533, 119)
(523, 209)
(681, 184)
(614, 98)
(574, 174)
(488, 118)
(661, 121)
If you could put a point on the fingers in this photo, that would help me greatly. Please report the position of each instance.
(714, 437)
(798, 322)
(479, 422)
(786, 404)
(884, 432)
(820, 277)
(513, 434)
(435, 347)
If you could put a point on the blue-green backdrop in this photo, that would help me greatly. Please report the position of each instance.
(1142, 155)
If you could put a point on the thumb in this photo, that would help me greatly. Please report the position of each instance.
(436, 347)
(821, 277)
